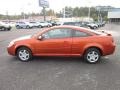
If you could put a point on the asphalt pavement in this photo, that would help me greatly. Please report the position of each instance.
(58, 73)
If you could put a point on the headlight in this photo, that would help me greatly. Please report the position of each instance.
(10, 44)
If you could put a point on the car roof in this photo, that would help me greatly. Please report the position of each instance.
(67, 26)
(70, 26)
(78, 28)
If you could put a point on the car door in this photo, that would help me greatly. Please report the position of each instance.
(55, 42)
(80, 39)
(23, 25)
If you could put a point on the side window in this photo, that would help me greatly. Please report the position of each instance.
(21, 22)
(57, 33)
(77, 33)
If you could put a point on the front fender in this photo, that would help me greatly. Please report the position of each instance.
(25, 45)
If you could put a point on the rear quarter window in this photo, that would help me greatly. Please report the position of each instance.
(77, 33)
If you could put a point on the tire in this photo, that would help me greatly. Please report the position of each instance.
(3, 29)
(91, 27)
(94, 27)
(92, 55)
(48, 26)
(39, 26)
(27, 27)
(42, 26)
(9, 29)
(18, 27)
(24, 54)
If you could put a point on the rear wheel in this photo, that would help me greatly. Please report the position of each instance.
(24, 54)
(27, 27)
(94, 27)
(9, 29)
(39, 26)
(92, 55)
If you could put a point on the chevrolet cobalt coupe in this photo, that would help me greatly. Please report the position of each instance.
(63, 41)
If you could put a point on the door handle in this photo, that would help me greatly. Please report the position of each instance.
(65, 41)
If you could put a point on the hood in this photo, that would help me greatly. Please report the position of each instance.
(22, 38)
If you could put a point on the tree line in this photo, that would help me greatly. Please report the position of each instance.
(68, 11)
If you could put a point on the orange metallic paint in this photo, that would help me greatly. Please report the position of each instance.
(74, 46)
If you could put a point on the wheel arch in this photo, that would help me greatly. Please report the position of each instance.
(21, 47)
(97, 47)
(18, 26)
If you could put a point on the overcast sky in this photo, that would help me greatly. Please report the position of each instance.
(29, 6)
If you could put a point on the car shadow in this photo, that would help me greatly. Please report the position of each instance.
(50, 64)
(44, 59)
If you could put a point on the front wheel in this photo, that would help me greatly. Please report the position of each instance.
(24, 54)
(48, 26)
(18, 27)
(92, 55)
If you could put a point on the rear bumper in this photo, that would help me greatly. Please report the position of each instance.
(109, 50)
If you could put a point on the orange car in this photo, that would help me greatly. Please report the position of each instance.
(63, 41)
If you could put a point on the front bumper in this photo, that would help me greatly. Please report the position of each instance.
(11, 50)
(110, 50)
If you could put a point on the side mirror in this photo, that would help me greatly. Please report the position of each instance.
(40, 37)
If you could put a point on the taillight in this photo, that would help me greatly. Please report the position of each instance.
(109, 34)
(112, 40)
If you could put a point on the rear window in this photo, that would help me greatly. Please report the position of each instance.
(77, 33)
(95, 32)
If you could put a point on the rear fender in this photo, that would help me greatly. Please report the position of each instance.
(93, 45)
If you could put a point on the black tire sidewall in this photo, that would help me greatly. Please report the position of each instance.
(39, 26)
(27, 27)
(18, 27)
(3, 29)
